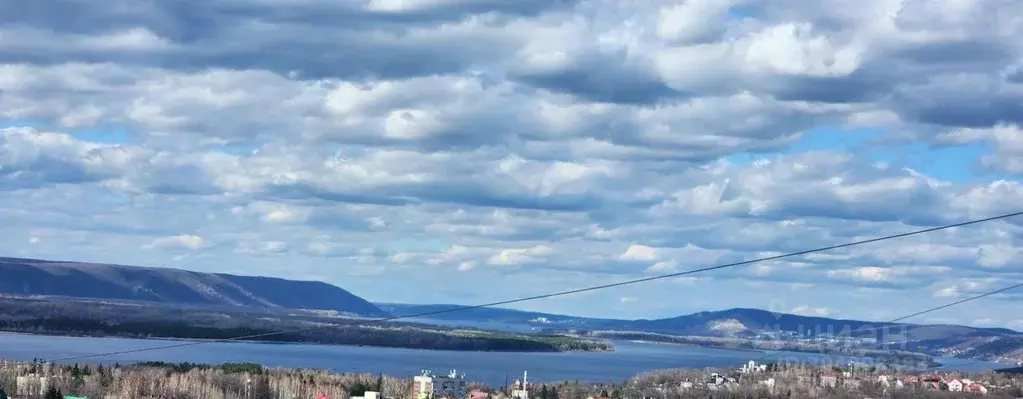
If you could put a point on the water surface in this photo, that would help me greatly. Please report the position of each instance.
(491, 368)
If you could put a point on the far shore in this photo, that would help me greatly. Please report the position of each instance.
(269, 342)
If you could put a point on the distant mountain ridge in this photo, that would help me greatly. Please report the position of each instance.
(28, 277)
(752, 319)
(942, 340)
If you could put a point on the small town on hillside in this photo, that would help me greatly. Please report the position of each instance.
(784, 380)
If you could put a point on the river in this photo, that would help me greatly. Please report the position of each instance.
(491, 368)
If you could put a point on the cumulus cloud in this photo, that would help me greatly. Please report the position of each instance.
(555, 144)
(184, 241)
(638, 252)
(810, 311)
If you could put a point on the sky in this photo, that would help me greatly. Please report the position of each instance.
(469, 151)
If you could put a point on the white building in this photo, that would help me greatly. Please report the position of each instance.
(890, 382)
(31, 385)
(368, 395)
(521, 388)
(954, 385)
(428, 386)
(752, 367)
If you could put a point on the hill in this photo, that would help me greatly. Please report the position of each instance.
(996, 344)
(34, 277)
(496, 315)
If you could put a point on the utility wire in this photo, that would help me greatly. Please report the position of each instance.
(550, 295)
(892, 323)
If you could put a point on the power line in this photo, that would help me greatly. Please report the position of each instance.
(554, 294)
(951, 304)
(892, 323)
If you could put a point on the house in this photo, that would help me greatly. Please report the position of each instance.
(890, 382)
(725, 386)
(976, 388)
(478, 394)
(829, 380)
(368, 395)
(31, 385)
(953, 384)
(911, 381)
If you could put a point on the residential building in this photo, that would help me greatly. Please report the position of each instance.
(976, 388)
(478, 394)
(752, 367)
(368, 395)
(31, 385)
(830, 379)
(954, 384)
(890, 382)
(429, 386)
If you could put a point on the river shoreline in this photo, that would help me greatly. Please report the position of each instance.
(199, 341)
(493, 368)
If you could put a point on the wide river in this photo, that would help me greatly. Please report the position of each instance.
(489, 367)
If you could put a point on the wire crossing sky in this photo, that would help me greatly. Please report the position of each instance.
(595, 288)
(546, 142)
(887, 326)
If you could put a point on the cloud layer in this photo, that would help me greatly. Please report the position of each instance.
(468, 151)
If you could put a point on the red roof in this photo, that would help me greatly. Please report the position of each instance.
(478, 395)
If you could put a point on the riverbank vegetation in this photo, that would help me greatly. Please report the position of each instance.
(253, 381)
(393, 336)
(186, 381)
(131, 320)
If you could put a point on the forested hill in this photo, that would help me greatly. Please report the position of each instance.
(173, 287)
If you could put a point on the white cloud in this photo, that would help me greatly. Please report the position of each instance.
(516, 256)
(184, 241)
(811, 311)
(638, 252)
(466, 266)
(664, 266)
(947, 292)
(558, 143)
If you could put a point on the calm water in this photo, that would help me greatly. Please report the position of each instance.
(489, 367)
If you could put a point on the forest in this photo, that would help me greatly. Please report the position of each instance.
(99, 320)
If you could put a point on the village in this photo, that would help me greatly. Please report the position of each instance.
(246, 381)
(781, 380)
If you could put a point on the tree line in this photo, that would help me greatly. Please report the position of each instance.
(403, 337)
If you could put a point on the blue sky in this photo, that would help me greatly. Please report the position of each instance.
(440, 152)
